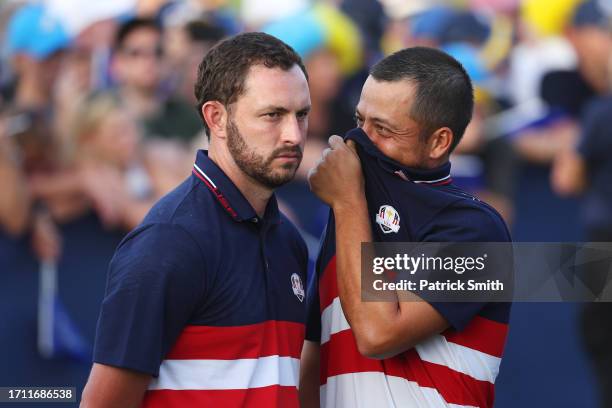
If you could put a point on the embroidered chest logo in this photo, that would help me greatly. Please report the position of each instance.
(388, 219)
(298, 288)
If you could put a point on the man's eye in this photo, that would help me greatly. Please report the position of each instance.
(272, 115)
(381, 129)
(302, 115)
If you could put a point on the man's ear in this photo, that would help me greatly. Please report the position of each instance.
(440, 143)
(216, 116)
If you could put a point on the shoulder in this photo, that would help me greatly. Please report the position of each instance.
(189, 206)
(466, 219)
(184, 223)
(158, 238)
(154, 254)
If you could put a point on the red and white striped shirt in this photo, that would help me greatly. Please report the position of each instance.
(255, 366)
(456, 368)
(452, 369)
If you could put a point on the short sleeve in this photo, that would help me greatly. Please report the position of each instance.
(464, 224)
(155, 283)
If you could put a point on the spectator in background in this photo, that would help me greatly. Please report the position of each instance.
(35, 41)
(109, 169)
(484, 165)
(30, 151)
(587, 170)
(589, 35)
(188, 43)
(14, 200)
(540, 47)
(121, 175)
(85, 67)
(138, 67)
(38, 43)
(567, 92)
(369, 16)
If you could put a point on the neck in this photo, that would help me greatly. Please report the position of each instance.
(433, 164)
(256, 194)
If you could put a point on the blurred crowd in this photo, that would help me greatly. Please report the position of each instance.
(97, 108)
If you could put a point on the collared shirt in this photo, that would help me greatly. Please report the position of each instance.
(455, 368)
(208, 297)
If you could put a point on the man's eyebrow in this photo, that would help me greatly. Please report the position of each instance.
(375, 119)
(281, 109)
(273, 108)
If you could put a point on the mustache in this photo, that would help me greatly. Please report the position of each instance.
(297, 150)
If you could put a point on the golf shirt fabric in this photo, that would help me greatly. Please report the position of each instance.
(207, 297)
(456, 368)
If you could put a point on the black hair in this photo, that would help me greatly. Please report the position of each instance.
(132, 25)
(203, 31)
(444, 96)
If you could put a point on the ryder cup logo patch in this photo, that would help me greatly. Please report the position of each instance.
(296, 285)
(388, 218)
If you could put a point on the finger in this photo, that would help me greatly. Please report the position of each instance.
(335, 141)
(352, 145)
(311, 173)
(326, 152)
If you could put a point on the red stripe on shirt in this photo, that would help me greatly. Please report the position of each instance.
(236, 342)
(222, 200)
(272, 396)
(442, 183)
(481, 334)
(328, 285)
(341, 356)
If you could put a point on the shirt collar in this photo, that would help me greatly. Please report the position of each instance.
(436, 176)
(227, 194)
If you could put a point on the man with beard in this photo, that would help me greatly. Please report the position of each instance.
(204, 304)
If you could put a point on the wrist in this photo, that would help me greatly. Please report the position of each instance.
(351, 204)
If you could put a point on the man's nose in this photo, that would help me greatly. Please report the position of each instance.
(293, 131)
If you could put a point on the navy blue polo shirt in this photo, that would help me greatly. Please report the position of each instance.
(427, 207)
(203, 279)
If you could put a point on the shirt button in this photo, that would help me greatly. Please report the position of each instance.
(255, 220)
